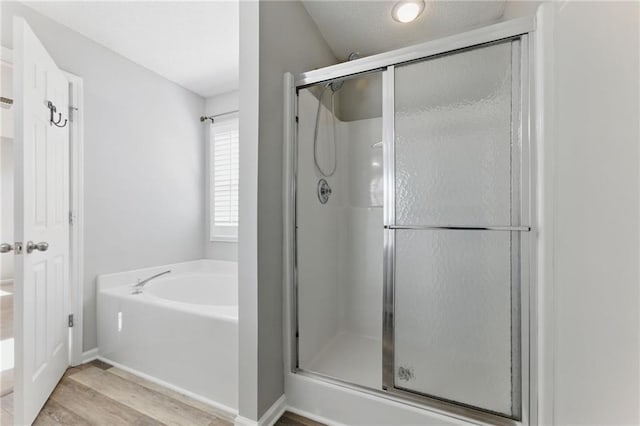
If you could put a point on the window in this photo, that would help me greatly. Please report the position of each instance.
(223, 169)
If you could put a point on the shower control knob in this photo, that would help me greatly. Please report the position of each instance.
(324, 190)
(42, 246)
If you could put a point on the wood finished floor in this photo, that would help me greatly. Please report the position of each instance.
(99, 394)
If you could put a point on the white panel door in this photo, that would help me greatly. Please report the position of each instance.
(41, 215)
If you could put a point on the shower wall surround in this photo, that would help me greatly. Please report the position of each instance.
(340, 246)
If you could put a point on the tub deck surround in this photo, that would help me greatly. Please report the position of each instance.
(190, 287)
(181, 331)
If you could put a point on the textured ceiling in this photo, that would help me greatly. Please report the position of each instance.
(194, 44)
(367, 26)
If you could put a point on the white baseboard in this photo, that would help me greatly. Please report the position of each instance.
(269, 418)
(229, 411)
(274, 412)
(90, 355)
(243, 421)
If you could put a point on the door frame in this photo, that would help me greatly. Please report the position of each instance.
(76, 209)
(76, 216)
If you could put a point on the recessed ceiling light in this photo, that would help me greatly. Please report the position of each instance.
(407, 10)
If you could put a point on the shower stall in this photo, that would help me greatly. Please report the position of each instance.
(410, 224)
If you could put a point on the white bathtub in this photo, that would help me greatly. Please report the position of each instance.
(181, 331)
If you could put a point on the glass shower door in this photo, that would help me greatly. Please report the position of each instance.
(455, 215)
(339, 232)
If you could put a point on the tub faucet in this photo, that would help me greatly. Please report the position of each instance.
(137, 288)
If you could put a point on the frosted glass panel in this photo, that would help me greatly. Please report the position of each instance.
(453, 302)
(455, 163)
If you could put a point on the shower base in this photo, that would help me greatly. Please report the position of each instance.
(351, 358)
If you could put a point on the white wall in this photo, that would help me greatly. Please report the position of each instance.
(275, 37)
(143, 164)
(220, 104)
(595, 67)
(519, 8)
(289, 41)
(248, 203)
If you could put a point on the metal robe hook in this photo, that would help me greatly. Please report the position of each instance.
(53, 110)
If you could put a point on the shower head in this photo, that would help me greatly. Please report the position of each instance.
(335, 85)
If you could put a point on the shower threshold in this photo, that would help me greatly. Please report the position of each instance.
(352, 358)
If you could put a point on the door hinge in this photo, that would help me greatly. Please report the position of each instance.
(70, 320)
(71, 219)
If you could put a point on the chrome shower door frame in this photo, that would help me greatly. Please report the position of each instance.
(523, 251)
(518, 29)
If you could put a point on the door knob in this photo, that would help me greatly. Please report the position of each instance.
(42, 246)
(5, 248)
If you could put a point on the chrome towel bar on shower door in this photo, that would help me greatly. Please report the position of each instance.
(463, 228)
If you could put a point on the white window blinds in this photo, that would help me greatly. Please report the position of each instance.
(224, 171)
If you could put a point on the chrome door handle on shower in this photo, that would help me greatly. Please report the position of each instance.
(41, 246)
(5, 248)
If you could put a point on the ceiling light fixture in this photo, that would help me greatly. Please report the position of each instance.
(407, 10)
